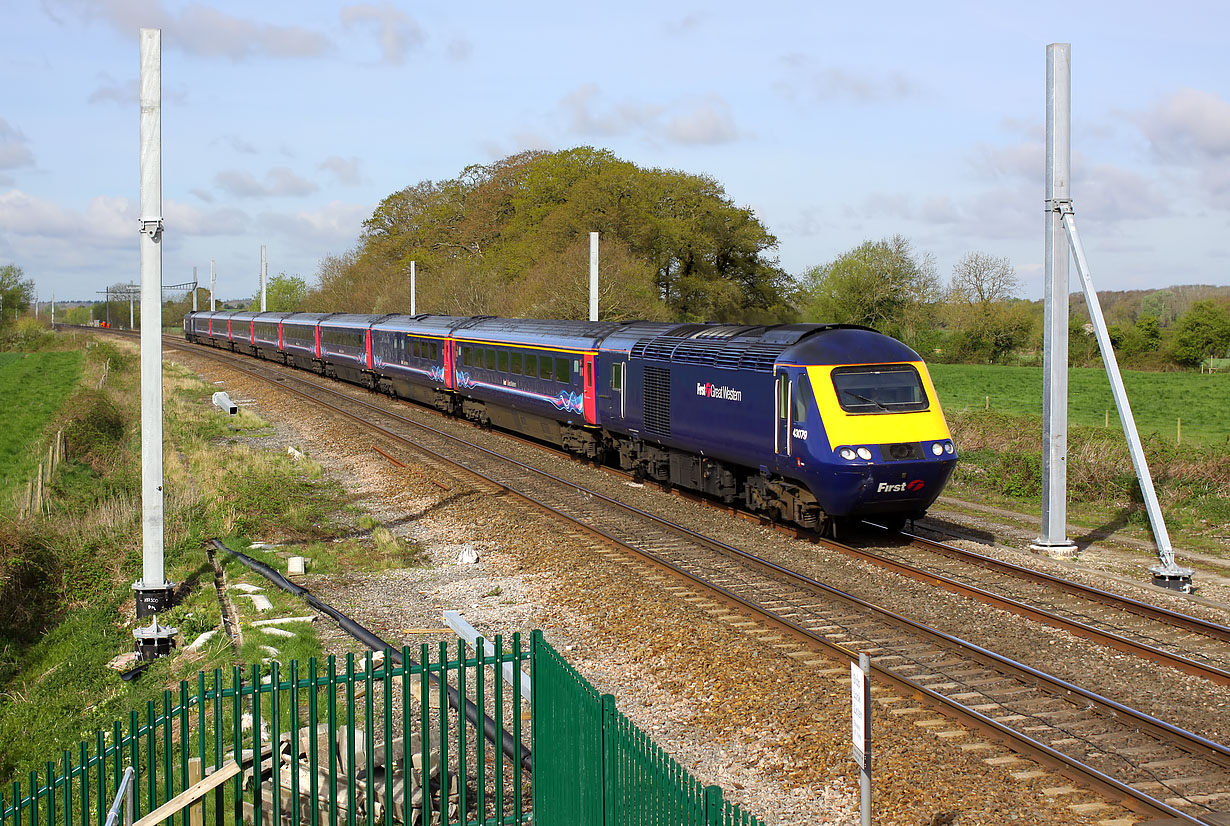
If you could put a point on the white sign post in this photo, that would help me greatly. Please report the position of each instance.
(860, 724)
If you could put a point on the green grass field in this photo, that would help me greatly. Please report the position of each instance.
(1159, 400)
(32, 388)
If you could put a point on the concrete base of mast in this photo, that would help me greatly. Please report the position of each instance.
(1173, 577)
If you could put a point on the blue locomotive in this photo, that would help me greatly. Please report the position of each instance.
(804, 423)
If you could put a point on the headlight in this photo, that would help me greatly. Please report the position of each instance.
(937, 449)
(847, 453)
(948, 447)
(864, 453)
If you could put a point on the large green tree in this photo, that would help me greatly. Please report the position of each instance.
(512, 238)
(1201, 332)
(16, 292)
(882, 284)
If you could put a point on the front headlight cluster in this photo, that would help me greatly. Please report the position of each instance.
(940, 448)
(850, 454)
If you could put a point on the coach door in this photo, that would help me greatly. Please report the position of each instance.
(783, 390)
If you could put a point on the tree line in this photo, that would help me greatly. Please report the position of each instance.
(512, 238)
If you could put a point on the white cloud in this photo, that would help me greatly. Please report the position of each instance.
(1188, 125)
(279, 182)
(708, 122)
(396, 32)
(185, 219)
(460, 49)
(619, 119)
(336, 222)
(106, 220)
(1017, 161)
(198, 29)
(828, 83)
(346, 170)
(13, 150)
(110, 90)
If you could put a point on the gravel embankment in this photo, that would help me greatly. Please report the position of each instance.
(735, 703)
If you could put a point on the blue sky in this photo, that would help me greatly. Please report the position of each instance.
(285, 124)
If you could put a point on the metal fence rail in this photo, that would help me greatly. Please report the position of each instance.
(593, 766)
(339, 743)
(368, 741)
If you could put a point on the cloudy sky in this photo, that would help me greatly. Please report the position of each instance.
(285, 122)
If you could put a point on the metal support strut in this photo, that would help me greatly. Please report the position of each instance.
(1166, 573)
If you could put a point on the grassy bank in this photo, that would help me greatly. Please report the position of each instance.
(66, 606)
(1158, 400)
(1000, 463)
(33, 386)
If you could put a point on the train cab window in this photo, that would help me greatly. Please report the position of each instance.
(544, 368)
(502, 361)
(490, 355)
(531, 365)
(516, 364)
(879, 388)
(617, 377)
(562, 370)
(802, 391)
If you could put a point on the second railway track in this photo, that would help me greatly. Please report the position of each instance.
(1143, 762)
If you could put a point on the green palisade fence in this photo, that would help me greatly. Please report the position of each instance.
(344, 743)
(593, 766)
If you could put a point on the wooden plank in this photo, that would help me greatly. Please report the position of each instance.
(190, 795)
(196, 814)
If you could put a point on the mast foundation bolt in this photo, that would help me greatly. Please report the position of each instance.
(1173, 577)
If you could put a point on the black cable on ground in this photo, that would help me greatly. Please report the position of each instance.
(491, 731)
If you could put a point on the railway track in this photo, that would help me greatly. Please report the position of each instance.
(1128, 756)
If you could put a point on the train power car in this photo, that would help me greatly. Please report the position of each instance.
(805, 423)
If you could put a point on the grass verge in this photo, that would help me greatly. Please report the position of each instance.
(1001, 464)
(66, 606)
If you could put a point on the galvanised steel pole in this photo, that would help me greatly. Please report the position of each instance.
(413, 308)
(1166, 573)
(264, 276)
(194, 282)
(153, 591)
(593, 276)
(213, 285)
(1054, 534)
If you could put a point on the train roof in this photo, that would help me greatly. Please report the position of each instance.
(305, 318)
(357, 321)
(845, 344)
(537, 332)
(423, 324)
(760, 348)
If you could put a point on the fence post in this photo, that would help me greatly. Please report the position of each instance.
(713, 805)
(608, 759)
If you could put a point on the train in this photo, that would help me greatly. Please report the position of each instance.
(810, 424)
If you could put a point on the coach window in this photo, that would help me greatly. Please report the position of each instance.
(467, 356)
(531, 365)
(516, 364)
(491, 359)
(562, 370)
(544, 368)
(617, 377)
(502, 362)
